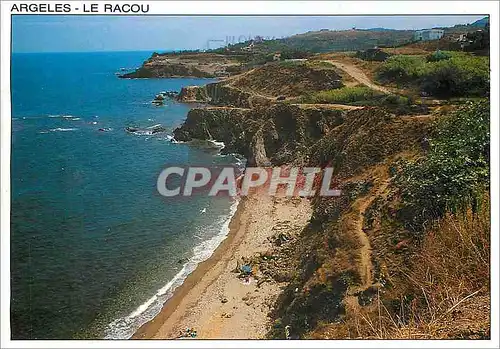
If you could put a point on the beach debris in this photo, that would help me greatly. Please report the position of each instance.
(248, 299)
(247, 280)
(226, 315)
(188, 333)
(261, 281)
(280, 238)
(246, 269)
(224, 300)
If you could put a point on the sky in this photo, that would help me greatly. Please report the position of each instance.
(58, 33)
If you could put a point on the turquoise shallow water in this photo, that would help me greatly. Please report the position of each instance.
(95, 251)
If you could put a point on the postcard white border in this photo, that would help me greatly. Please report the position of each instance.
(262, 8)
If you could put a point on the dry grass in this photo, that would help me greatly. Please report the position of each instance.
(444, 294)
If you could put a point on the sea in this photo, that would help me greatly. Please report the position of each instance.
(95, 250)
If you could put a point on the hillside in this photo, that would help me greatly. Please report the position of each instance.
(414, 176)
(330, 40)
(240, 57)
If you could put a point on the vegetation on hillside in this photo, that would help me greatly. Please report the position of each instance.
(344, 95)
(454, 174)
(360, 96)
(328, 40)
(436, 201)
(442, 289)
(443, 74)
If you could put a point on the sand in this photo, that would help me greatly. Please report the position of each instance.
(213, 300)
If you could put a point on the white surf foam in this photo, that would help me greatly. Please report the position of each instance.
(62, 116)
(60, 129)
(125, 327)
(217, 144)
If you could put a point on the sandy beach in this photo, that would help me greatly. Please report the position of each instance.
(213, 300)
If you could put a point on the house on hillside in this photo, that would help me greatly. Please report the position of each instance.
(428, 34)
(277, 56)
(249, 47)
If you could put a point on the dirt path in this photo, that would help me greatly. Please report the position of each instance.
(359, 76)
(423, 116)
(327, 106)
(359, 208)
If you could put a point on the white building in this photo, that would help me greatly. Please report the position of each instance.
(428, 34)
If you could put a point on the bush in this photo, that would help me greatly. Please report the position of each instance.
(455, 171)
(442, 74)
(438, 56)
(401, 68)
(460, 75)
(342, 95)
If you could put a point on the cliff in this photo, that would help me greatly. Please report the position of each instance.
(264, 85)
(198, 65)
(280, 133)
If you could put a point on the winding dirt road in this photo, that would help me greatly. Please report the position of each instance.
(358, 75)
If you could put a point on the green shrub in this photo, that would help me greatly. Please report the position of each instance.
(292, 64)
(460, 75)
(443, 74)
(401, 68)
(361, 96)
(455, 172)
(342, 95)
(439, 56)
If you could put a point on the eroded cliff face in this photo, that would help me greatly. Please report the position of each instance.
(315, 135)
(193, 94)
(222, 94)
(277, 135)
(167, 71)
(194, 64)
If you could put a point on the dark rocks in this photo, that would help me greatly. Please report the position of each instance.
(159, 98)
(131, 129)
(169, 94)
(147, 131)
(158, 129)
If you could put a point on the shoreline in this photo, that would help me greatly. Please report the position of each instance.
(212, 300)
(150, 328)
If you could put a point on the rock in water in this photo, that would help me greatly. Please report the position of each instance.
(158, 129)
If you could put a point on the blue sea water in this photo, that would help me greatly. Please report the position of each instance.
(95, 251)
